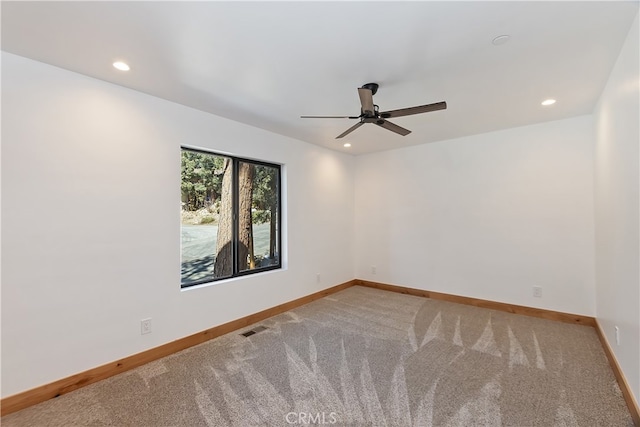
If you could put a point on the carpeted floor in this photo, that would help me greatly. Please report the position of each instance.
(363, 357)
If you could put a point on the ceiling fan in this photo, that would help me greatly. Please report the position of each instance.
(369, 112)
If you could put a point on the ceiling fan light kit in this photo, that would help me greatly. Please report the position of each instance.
(369, 112)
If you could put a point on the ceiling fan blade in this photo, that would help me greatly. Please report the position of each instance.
(329, 117)
(392, 127)
(414, 110)
(351, 129)
(366, 100)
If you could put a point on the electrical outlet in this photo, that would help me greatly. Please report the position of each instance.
(145, 326)
(617, 335)
(318, 278)
(373, 269)
(537, 291)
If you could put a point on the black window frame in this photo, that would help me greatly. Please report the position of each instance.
(235, 166)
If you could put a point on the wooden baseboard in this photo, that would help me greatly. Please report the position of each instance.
(500, 306)
(622, 381)
(34, 396)
(31, 397)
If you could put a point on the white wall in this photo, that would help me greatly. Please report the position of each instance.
(617, 204)
(90, 219)
(486, 216)
(91, 226)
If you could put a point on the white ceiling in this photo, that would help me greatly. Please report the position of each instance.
(267, 63)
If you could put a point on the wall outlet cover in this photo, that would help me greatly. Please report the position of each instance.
(145, 326)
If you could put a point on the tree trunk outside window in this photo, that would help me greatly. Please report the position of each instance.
(223, 266)
(246, 256)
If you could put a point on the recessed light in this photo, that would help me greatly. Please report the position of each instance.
(122, 66)
(501, 40)
(347, 145)
(548, 102)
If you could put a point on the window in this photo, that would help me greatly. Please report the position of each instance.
(230, 217)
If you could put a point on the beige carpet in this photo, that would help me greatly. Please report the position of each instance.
(364, 357)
